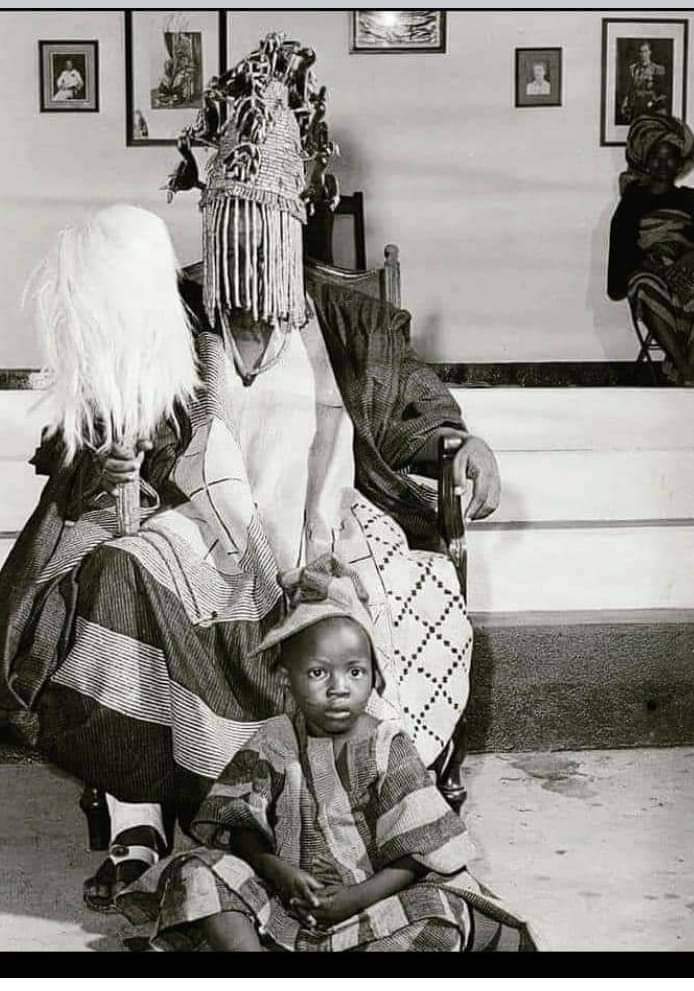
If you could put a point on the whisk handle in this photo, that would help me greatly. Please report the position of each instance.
(128, 508)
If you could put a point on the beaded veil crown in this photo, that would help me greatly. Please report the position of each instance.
(264, 121)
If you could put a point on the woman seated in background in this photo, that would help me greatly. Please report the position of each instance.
(652, 239)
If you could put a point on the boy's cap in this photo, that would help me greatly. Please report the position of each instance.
(325, 589)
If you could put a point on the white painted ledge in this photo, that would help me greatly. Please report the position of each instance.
(597, 510)
(619, 419)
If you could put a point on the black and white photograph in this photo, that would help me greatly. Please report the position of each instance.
(538, 77)
(347, 503)
(170, 55)
(414, 30)
(69, 76)
(644, 71)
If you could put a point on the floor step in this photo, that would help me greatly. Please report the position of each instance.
(559, 681)
(583, 680)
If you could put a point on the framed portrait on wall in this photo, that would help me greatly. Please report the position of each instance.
(538, 77)
(644, 70)
(415, 30)
(169, 57)
(69, 76)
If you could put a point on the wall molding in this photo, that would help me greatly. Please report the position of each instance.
(12, 379)
(526, 375)
(550, 374)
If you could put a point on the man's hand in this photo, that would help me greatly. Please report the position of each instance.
(122, 465)
(475, 461)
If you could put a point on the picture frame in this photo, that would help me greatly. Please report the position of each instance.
(170, 55)
(644, 68)
(68, 77)
(382, 31)
(538, 77)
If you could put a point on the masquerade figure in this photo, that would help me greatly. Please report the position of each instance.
(139, 654)
(325, 832)
(267, 174)
(652, 238)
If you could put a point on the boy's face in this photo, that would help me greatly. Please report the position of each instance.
(330, 671)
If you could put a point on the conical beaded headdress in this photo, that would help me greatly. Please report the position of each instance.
(267, 173)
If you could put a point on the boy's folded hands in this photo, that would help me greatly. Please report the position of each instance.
(331, 905)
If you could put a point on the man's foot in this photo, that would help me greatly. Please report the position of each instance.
(132, 853)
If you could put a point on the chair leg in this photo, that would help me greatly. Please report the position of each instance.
(93, 804)
(645, 358)
(654, 372)
(449, 768)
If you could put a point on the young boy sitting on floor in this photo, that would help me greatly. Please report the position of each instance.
(325, 832)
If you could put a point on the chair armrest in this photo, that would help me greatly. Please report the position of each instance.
(451, 522)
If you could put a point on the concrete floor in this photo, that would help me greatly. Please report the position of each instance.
(596, 848)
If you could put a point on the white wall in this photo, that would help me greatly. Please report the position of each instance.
(501, 214)
(594, 515)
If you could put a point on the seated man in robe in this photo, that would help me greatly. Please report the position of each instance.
(136, 652)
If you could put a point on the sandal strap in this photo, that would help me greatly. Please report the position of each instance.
(119, 853)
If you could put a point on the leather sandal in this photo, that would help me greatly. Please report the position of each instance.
(123, 866)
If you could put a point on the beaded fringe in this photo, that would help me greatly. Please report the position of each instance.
(253, 260)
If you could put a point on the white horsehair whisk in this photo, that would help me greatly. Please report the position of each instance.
(117, 343)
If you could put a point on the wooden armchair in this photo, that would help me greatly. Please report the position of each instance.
(384, 283)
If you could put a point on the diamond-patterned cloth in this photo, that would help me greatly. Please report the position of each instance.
(424, 637)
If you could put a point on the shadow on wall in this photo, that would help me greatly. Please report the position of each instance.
(598, 303)
(350, 166)
(428, 334)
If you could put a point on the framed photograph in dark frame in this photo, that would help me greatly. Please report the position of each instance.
(415, 30)
(538, 77)
(69, 76)
(170, 55)
(644, 70)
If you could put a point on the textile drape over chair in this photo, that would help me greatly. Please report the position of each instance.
(382, 283)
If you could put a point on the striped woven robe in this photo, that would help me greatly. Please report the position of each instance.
(134, 651)
(652, 262)
(342, 821)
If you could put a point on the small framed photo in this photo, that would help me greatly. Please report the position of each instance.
(69, 76)
(538, 77)
(398, 31)
(644, 70)
(170, 55)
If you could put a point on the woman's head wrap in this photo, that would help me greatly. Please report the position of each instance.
(266, 175)
(645, 133)
(325, 589)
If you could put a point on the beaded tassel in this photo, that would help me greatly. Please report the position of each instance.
(253, 261)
